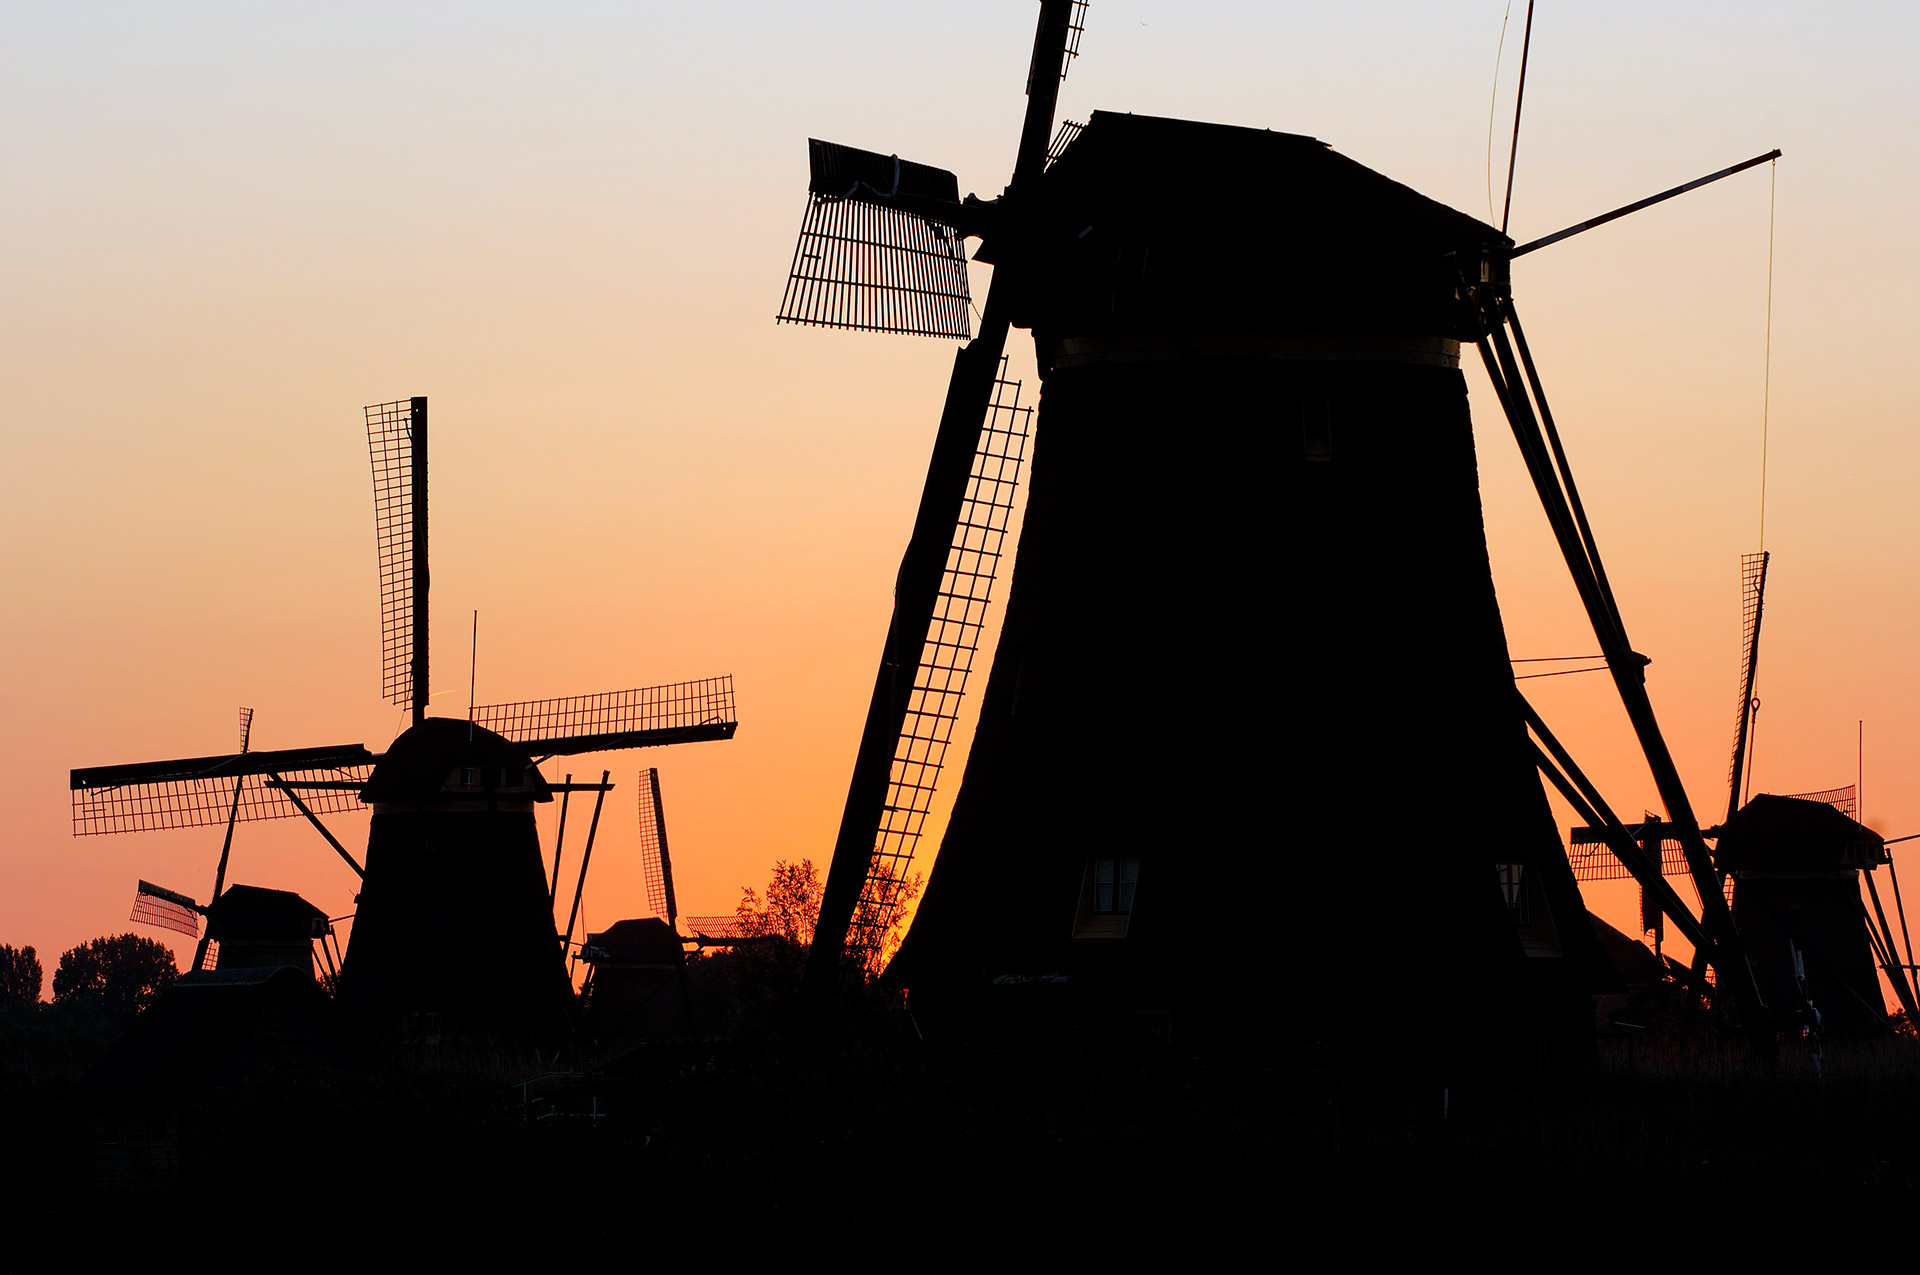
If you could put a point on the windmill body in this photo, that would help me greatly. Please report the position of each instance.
(1797, 867)
(1254, 504)
(454, 916)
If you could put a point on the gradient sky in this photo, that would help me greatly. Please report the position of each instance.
(229, 226)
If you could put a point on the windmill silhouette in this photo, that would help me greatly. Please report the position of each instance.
(455, 912)
(1254, 513)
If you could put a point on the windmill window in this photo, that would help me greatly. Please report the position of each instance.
(1114, 879)
(1513, 889)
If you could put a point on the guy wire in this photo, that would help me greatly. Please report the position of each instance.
(1493, 103)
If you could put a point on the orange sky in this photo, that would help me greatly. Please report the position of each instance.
(229, 228)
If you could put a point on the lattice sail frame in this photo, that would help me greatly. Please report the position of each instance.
(654, 867)
(1753, 583)
(390, 444)
(946, 660)
(706, 701)
(167, 909)
(1593, 860)
(870, 266)
(204, 803)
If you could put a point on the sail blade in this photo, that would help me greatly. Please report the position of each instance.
(876, 251)
(644, 717)
(399, 518)
(167, 909)
(196, 792)
(656, 866)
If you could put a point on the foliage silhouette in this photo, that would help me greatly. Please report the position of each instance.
(122, 974)
(20, 975)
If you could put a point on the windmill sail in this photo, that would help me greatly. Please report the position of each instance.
(875, 252)
(972, 390)
(1753, 592)
(946, 660)
(397, 442)
(675, 713)
(656, 865)
(197, 792)
(168, 909)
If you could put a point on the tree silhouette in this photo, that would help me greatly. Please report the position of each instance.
(19, 976)
(122, 974)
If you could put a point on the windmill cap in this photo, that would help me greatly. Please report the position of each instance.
(444, 757)
(1794, 834)
(254, 912)
(1151, 224)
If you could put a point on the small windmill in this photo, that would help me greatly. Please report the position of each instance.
(424, 784)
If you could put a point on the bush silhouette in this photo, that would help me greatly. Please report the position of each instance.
(122, 974)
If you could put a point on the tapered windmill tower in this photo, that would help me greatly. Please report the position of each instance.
(1251, 755)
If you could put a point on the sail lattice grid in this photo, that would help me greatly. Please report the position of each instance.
(161, 910)
(653, 868)
(871, 266)
(1594, 860)
(205, 802)
(1845, 800)
(646, 710)
(390, 443)
(946, 660)
(1753, 584)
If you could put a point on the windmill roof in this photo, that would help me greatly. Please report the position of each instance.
(1177, 223)
(1794, 834)
(252, 912)
(418, 764)
(643, 941)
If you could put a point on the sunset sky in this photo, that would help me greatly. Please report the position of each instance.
(230, 226)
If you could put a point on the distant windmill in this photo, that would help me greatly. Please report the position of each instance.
(454, 908)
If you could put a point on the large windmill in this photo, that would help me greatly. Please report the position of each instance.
(455, 913)
(1202, 766)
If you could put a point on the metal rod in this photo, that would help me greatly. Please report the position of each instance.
(220, 872)
(1585, 798)
(1519, 99)
(1648, 202)
(1903, 982)
(1893, 874)
(421, 581)
(559, 839)
(1625, 665)
(314, 819)
(586, 857)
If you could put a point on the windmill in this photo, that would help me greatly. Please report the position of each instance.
(632, 962)
(1791, 867)
(1255, 494)
(455, 914)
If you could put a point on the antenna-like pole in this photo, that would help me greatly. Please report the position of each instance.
(1519, 100)
(473, 671)
(420, 578)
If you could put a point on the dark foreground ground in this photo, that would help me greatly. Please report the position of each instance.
(766, 1136)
